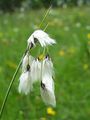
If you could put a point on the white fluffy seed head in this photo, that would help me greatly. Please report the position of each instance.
(47, 67)
(47, 90)
(42, 71)
(26, 60)
(42, 37)
(36, 70)
(25, 84)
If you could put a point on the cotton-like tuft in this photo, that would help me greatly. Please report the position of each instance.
(42, 37)
(25, 84)
(47, 90)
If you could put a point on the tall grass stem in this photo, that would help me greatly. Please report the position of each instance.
(10, 85)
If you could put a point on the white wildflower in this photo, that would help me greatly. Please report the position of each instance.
(42, 37)
(47, 90)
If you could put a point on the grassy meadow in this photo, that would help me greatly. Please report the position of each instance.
(70, 28)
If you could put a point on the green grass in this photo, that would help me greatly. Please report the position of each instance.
(71, 57)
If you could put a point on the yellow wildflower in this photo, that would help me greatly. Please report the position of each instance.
(41, 57)
(85, 66)
(50, 111)
(61, 53)
(88, 35)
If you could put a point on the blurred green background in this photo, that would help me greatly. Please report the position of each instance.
(69, 25)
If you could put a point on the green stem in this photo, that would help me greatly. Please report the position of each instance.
(47, 12)
(10, 86)
(46, 27)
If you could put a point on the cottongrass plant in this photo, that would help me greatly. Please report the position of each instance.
(35, 69)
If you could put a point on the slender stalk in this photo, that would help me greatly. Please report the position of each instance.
(10, 86)
(47, 12)
(46, 26)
